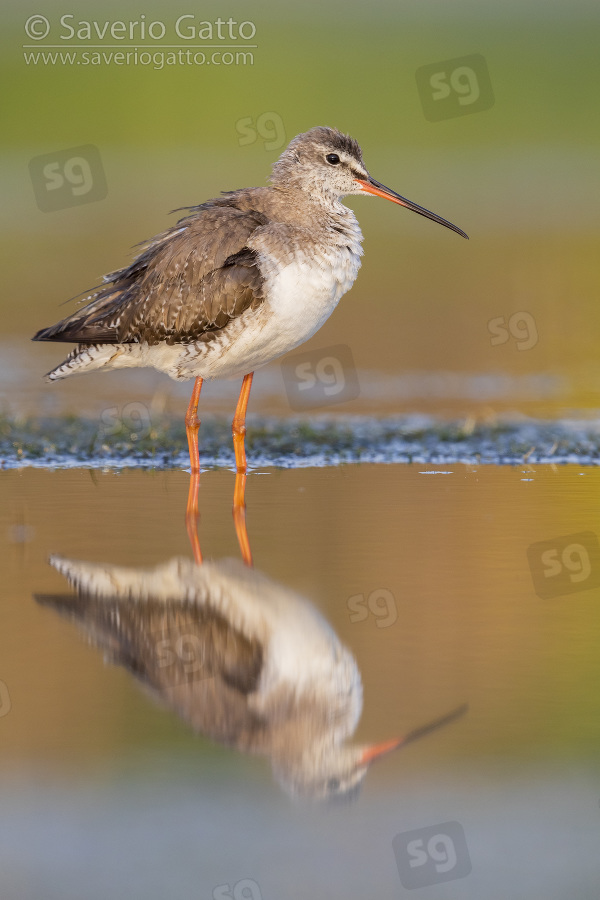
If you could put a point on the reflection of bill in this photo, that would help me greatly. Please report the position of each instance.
(241, 658)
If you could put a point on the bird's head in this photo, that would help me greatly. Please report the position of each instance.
(328, 165)
(329, 772)
(323, 162)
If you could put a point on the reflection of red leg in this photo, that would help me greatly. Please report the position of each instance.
(239, 424)
(239, 517)
(192, 515)
(192, 424)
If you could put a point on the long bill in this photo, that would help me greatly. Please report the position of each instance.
(371, 186)
(376, 751)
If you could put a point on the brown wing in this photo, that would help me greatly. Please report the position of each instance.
(186, 283)
(189, 657)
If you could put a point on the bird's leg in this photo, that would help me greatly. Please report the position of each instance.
(239, 517)
(239, 425)
(192, 424)
(239, 495)
(192, 516)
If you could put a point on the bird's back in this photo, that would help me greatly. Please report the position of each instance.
(239, 281)
(242, 659)
(188, 281)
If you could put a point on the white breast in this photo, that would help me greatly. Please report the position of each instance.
(299, 298)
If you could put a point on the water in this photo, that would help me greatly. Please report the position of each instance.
(430, 575)
(464, 570)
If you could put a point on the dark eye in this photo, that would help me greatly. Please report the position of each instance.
(333, 783)
(332, 158)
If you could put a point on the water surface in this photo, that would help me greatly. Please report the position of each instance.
(424, 574)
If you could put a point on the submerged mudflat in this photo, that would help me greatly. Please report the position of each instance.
(66, 441)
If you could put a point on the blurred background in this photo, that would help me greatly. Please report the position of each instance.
(107, 793)
(486, 114)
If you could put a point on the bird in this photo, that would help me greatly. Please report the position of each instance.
(239, 281)
(242, 659)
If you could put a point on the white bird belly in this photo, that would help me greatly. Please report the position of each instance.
(300, 297)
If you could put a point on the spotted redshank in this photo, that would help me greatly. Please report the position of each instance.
(238, 282)
(239, 657)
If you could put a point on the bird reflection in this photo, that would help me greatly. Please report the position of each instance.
(241, 658)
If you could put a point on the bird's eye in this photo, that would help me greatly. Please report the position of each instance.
(333, 783)
(332, 158)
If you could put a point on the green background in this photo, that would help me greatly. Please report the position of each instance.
(521, 178)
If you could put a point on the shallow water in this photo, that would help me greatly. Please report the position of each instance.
(435, 581)
(448, 581)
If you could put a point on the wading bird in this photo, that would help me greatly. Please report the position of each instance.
(238, 282)
(241, 658)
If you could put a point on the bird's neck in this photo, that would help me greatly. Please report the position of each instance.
(317, 212)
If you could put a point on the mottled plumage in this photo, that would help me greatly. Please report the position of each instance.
(186, 283)
(239, 657)
(192, 282)
(242, 659)
(238, 282)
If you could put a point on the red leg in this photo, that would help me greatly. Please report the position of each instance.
(192, 424)
(239, 425)
(192, 515)
(239, 517)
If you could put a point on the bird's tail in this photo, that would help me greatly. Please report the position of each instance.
(84, 358)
